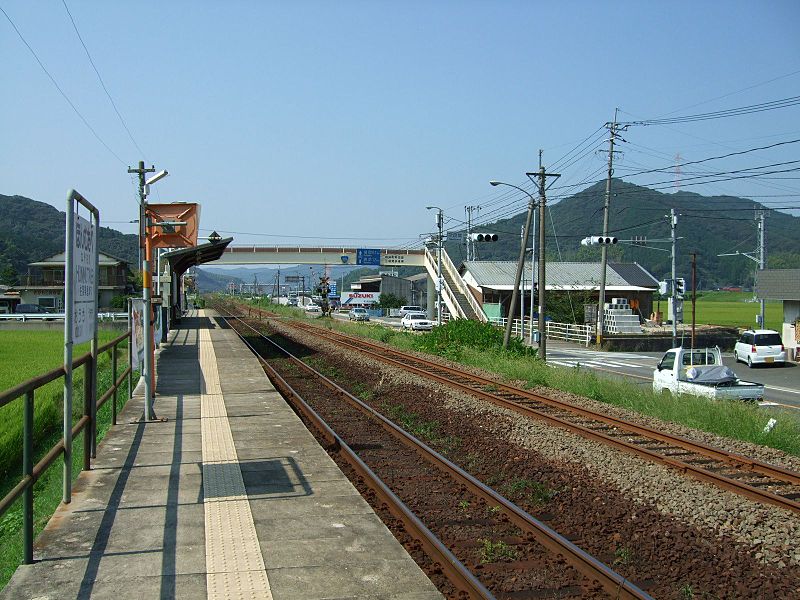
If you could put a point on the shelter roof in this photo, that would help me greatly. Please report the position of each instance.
(778, 284)
(182, 259)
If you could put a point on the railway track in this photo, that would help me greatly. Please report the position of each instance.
(747, 477)
(536, 551)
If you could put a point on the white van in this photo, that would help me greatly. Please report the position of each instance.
(410, 308)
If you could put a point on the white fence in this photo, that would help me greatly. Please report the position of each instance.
(570, 332)
(106, 316)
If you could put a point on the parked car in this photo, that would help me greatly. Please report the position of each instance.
(410, 308)
(700, 372)
(760, 346)
(359, 314)
(313, 308)
(416, 321)
(28, 309)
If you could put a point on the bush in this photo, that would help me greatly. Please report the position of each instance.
(449, 338)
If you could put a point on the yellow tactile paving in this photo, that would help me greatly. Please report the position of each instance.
(234, 565)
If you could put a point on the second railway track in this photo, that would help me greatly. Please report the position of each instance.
(754, 479)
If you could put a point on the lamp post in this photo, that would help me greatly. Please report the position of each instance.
(439, 222)
(520, 262)
(144, 242)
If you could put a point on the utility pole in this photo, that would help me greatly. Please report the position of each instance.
(762, 258)
(470, 241)
(147, 370)
(673, 223)
(694, 292)
(614, 130)
(440, 224)
(542, 354)
(524, 242)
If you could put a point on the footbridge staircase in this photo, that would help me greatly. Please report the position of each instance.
(456, 295)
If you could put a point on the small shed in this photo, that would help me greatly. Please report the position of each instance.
(784, 285)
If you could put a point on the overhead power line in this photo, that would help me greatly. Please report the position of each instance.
(102, 83)
(720, 114)
(61, 91)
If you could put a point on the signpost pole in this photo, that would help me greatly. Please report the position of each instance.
(80, 320)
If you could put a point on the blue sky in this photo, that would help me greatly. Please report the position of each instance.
(291, 122)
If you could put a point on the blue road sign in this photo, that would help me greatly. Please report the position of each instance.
(368, 256)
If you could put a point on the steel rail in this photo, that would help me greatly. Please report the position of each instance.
(736, 460)
(458, 574)
(584, 563)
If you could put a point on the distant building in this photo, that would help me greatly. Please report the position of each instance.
(44, 282)
(492, 283)
(784, 285)
(382, 284)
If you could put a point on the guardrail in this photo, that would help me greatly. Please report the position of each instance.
(30, 472)
(570, 332)
(102, 316)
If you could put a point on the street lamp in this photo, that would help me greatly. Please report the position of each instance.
(520, 262)
(439, 222)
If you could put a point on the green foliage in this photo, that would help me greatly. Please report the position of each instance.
(31, 231)
(494, 551)
(9, 275)
(450, 339)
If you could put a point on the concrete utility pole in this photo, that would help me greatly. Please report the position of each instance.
(614, 130)
(673, 223)
(147, 370)
(542, 202)
(762, 260)
(470, 241)
(694, 292)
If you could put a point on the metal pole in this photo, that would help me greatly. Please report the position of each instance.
(762, 263)
(673, 222)
(601, 300)
(440, 223)
(694, 292)
(68, 316)
(533, 274)
(524, 242)
(520, 262)
(93, 349)
(542, 354)
(114, 352)
(27, 471)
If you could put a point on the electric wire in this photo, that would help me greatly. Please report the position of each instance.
(60, 90)
(102, 83)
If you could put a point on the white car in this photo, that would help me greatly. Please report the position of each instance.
(404, 310)
(312, 308)
(416, 321)
(760, 346)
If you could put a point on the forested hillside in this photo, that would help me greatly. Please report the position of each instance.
(707, 225)
(31, 231)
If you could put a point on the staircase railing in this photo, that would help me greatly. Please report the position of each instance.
(447, 265)
(452, 304)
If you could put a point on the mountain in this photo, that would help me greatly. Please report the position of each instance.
(707, 225)
(31, 231)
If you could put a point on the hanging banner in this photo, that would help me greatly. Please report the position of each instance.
(137, 333)
(84, 280)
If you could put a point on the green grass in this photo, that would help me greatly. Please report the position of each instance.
(734, 313)
(24, 355)
(729, 419)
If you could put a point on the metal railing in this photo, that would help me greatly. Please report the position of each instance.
(102, 316)
(447, 293)
(30, 472)
(569, 332)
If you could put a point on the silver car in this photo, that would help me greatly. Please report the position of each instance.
(359, 314)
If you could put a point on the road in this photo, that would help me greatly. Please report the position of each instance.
(782, 384)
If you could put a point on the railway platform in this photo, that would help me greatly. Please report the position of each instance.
(229, 497)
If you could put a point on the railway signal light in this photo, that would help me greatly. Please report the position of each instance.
(665, 287)
(595, 240)
(483, 237)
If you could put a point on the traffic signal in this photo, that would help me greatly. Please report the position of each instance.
(601, 240)
(680, 287)
(483, 237)
(665, 287)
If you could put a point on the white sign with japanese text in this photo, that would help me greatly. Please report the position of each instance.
(84, 281)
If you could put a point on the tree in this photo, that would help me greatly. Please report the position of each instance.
(9, 275)
(391, 301)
